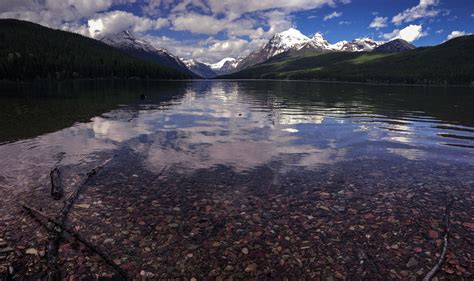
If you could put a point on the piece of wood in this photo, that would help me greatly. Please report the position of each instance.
(55, 236)
(442, 256)
(38, 215)
(57, 190)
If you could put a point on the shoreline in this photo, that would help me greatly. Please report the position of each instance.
(5, 82)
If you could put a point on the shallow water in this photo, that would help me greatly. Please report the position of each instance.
(239, 125)
(242, 180)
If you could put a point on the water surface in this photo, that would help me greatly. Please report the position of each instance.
(256, 179)
(241, 125)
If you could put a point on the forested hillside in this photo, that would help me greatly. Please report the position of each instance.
(30, 51)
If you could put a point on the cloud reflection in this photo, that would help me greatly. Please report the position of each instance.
(228, 124)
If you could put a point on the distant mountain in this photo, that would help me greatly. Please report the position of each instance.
(279, 43)
(30, 51)
(199, 68)
(225, 66)
(220, 64)
(397, 45)
(356, 45)
(293, 40)
(128, 43)
(449, 63)
(316, 43)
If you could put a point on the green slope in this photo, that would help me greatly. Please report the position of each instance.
(449, 63)
(30, 51)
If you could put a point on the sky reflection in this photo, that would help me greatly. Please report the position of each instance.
(235, 125)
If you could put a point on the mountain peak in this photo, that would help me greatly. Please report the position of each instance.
(396, 45)
(221, 63)
(126, 40)
(356, 45)
(123, 35)
(284, 41)
(318, 35)
(292, 33)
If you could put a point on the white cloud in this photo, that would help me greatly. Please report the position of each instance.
(343, 22)
(209, 50)
(198, 23)
(232, 47)
(378, 23)
(409, 33)
(83, 8)
(332, 15)
(424, 9)
(52, 13)
(456, 33)
(116, 21)
(235, 9)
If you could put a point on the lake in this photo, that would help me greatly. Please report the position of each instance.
(262, 179)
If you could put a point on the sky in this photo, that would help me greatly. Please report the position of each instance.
(210, 30)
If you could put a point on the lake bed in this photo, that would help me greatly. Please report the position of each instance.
(255, 179)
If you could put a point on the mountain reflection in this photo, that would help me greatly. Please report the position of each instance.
(244, 125)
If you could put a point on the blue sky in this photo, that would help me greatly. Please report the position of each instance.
(209, 30)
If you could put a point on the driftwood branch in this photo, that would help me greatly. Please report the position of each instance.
(442, 256)
(55, 236)
(57, 190)
(38, 215)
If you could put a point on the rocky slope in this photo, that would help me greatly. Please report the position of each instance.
(128, 43)
(199, 68)
(397, 45)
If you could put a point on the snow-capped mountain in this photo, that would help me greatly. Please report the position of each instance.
(316, 43)
(226, 65)
(128, 43)
(356, 45)
(284, 41)
(207, 70)
(218, 65)
(202, 69)
(293, 40)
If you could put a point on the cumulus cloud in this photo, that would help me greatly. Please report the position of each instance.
(378, 22)
(409, 33)
(209, 50)
(235, 9)
(198, 23)
(425, 9)
(232, 9)
(52, 13)
(456, 33)
(116, 21)
(332, 15)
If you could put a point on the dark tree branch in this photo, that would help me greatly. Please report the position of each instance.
(57, 227)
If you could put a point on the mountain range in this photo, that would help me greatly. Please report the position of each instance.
(30, 51)
(449, 63)
(286, 41)
(293, 40)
